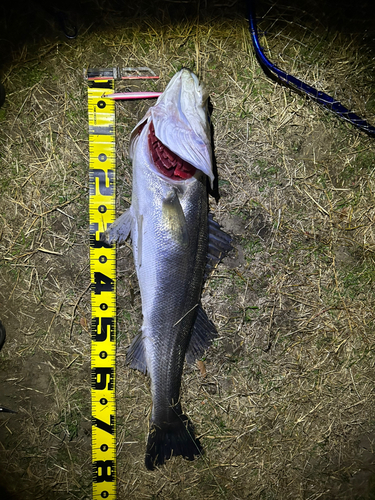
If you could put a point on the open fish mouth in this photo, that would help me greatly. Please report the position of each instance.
(179, 132)
(166, 161)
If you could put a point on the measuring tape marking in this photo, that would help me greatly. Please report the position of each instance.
(101, 110)
(103, 288)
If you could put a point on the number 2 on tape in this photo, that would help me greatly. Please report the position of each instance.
(103, 288)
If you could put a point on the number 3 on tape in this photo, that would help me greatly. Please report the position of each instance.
(103, 287)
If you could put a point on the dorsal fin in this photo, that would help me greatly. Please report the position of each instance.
(219, 244)
(204, 332)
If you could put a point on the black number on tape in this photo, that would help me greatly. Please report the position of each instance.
(106, 184)
(102, 283)
(110, 428)
(104, 470)
(101, 327)
(102, 378)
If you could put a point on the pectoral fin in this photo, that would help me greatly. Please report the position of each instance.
(174, 219)
(120, 229)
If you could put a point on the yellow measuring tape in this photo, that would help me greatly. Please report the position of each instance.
(103, 287)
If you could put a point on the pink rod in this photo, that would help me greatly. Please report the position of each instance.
(133, 95)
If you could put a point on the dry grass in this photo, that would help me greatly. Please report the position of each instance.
(286, 409)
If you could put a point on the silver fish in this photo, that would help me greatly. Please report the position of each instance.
(175, 242)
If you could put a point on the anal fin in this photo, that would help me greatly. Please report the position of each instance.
(136, 356)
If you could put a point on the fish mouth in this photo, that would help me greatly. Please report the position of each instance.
(166, 161)
(178, 137)
(184, 100)
(190, 84)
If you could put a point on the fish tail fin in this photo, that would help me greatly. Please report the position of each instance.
(171, 439)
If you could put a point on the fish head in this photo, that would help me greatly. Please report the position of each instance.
(179, 128)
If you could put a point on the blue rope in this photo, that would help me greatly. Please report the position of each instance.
(318, 96)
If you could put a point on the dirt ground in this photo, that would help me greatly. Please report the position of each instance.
(286, 409)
